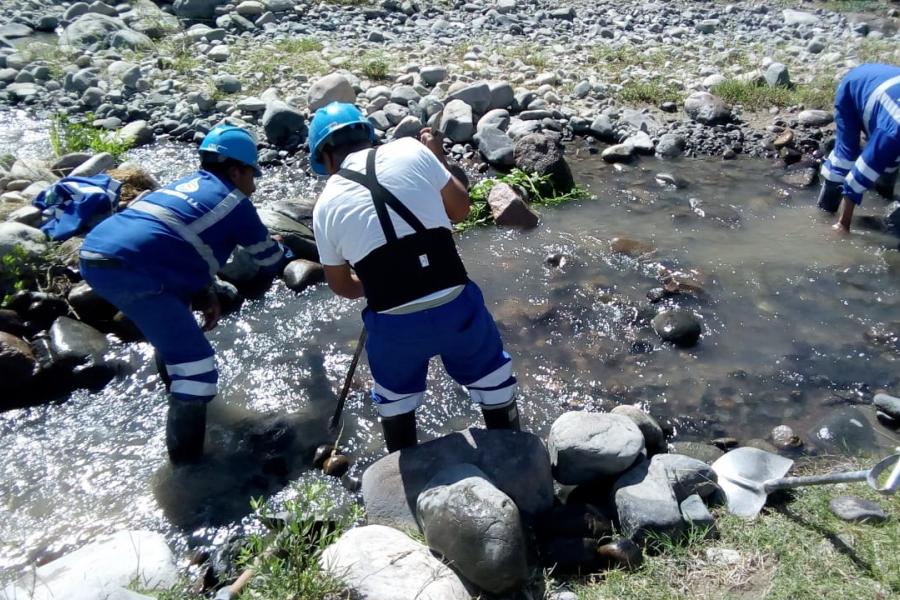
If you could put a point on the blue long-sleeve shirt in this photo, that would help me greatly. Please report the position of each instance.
(184, 232)
(867, 101)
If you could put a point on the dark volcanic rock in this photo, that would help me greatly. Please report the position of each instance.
(542, 154)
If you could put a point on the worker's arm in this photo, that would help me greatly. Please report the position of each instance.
(454, 194)
(343, 281)
(879, 155)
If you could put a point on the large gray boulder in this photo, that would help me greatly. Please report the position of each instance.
(285, 126)
(457, 121)
(844, 430)
(654, 440)
(103, 569)
(380, 563)
(196, 9)
(147, 18)
(542, 154)
(299, 274)
(476, 95)
(646, 504)
(476, 527)
(705, 108)
(496, 147)
(516, 462)
(585, 446)
(686, 475)
(331, 88)
(31, 241)
(91, 30)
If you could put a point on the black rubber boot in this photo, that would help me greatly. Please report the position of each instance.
(504, 417)
(161, 369)
(400, 431)
(185, 431)
(830, 196)
(885, 185)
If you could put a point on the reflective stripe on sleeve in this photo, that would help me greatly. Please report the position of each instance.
(188, 387)
(839, 162)
(854, 184)
(865, 169)
(877, 96)
(221, 210)
(831, 175)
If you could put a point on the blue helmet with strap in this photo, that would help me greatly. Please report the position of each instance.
(328, 120)
(228, 141)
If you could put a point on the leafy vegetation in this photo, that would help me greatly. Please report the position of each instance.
(538, 189)
(648, 92)
(375, 65)
(15, 271)
(286, 561)
(753, 95)
(797, 551)
(69, 136)
(273, 63)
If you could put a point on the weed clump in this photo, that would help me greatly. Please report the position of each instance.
(68, 136)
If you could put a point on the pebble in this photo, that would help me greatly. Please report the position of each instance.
(857, 510)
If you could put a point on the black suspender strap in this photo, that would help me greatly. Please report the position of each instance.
(382, 198)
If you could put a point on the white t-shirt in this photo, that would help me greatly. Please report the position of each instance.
(344, 219)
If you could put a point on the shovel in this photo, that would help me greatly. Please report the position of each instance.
(748, 475)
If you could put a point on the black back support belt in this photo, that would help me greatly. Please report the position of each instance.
(409, 267)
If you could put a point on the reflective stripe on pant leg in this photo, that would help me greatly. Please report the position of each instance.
(398, 359)
(495, 389)
(390, 404)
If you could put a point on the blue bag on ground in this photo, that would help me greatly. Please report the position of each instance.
(76, 204)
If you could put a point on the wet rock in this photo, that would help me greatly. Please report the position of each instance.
(542, 154)
(686, 475)
(476, 527)
(74, 341)
(300, 274)
(29, 240)
(629, 247)
(88, 306)
(17, 366)
(331, 88)
(890, 405)
(292, 221)
(602, 129)
(285, 127)
(705, 453)
(646, 504)
(618, 153)
(509, 209)
(706, 108)
(815, 118)
(336, 465)
(857, 510)
(105, 568)
(696, 515)
(678, 327)
(584, 446)
(844, 431)
(670, 145)
(38, 308)
(784, 438)
(654, 440)
(515, 462)
(376, 562)
(621, 554)
(495, 146)
(641, 143)
(724, 214)
(11, 323)
(91, 29)
(800, 175)
(456, 121)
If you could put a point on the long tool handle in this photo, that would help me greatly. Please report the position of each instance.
(793, 482)
(339, 409)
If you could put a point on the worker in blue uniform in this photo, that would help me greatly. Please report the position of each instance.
(867, 101)
(383, 227)
(160, 254)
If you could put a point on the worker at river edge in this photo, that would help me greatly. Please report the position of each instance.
(867, 101)
(386, 214)
(158, 257)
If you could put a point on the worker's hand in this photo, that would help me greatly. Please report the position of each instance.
(433, 140)
(277, 237)
(212, 311)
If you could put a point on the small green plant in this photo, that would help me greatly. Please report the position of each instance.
(273, 63)
(537, 187)
(15, 272)
(69, 136)
(529, 54)
(375, 65)
(647, 92)
(753, 95)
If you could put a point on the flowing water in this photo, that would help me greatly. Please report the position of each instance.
(784, 304)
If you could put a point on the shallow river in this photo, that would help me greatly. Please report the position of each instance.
(784, 305)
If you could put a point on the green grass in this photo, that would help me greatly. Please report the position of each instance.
(79, 136)
(538, 189)
(819, 93)
(530, 54)
(15, 271)
(374, 65)
(287, 560)
(274, 63)
(648, 92)
(854, 5)
(794, 552)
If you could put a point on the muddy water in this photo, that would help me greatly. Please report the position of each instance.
(784, 306)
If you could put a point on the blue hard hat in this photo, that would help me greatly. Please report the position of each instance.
(228, 141)
(328, 120)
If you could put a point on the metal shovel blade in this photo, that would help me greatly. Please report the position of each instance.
(741, 475)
